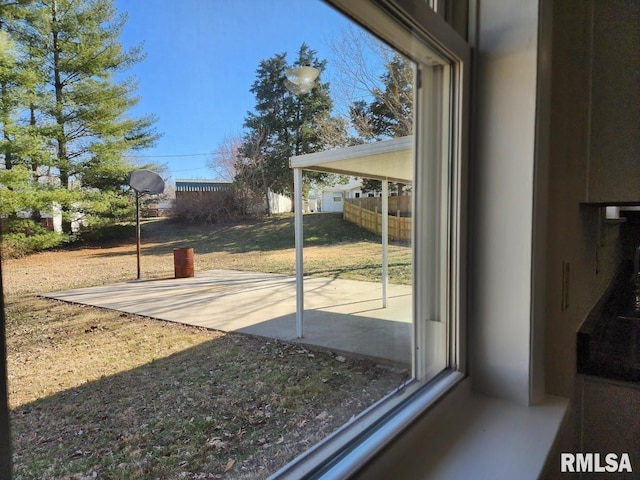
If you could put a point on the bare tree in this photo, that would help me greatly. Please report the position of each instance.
(358, 59)
(224, 157)
(375, 82)
(251, 175)
(333, 131)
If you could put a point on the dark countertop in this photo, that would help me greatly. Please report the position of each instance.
(608, 342)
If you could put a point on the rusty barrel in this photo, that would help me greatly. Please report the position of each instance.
(183, 262)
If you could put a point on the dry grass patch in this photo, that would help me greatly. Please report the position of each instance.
(98, 394)
(55, 345)
(102, 394)
(333, 248)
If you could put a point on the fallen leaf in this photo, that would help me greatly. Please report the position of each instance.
(322, 415)
(217, 443)
(229, 465)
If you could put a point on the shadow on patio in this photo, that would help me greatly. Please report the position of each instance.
(341, 315)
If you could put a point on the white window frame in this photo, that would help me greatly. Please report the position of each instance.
(409, 25)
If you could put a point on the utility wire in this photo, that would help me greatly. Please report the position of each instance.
(188, 169)
(168, 156)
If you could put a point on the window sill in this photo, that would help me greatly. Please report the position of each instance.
(461, 435)
(474, 436)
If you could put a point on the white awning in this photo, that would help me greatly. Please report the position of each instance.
(390, 160)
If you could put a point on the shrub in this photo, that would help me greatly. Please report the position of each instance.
(108, 233)
(207, 207)
(16, 245)
(23, 225)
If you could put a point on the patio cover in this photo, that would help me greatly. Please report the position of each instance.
(387, 160)
(390, 160)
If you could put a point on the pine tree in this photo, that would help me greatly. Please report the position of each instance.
(11, 88)
(83, 106)
(390, 113)
(22, 144)
(283, 124)
(15, 82)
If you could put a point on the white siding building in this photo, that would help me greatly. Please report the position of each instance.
(331, 199)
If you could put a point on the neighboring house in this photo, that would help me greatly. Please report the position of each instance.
(52, 220)
(331, 198)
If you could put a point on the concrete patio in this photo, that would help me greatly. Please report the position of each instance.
(341, 315)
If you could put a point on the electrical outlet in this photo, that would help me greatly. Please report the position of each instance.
(566, 271)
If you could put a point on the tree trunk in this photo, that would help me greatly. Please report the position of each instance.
(266, 189)
(64, 209)
(267, 201)
(8, 154)
(63, 159)
(36, 215)
(293, 197)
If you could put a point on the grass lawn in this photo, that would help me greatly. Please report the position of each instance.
(101, 394)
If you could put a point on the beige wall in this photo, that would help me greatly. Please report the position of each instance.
(502, 183)
(575, 234)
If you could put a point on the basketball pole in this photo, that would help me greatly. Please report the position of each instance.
(138, 230)
(143, 182)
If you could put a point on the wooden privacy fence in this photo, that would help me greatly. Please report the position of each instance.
(355, 211)
(403, 204)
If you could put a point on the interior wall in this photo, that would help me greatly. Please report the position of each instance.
(576, 236)
(502, 177)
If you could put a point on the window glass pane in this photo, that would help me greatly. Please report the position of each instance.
(433, 227)
(203, 365)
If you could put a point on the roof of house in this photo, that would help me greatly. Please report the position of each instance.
(353, 184)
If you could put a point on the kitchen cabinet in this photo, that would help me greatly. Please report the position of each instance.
(613, 133)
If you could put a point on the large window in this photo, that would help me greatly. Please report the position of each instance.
(261, 365)
(436, 152)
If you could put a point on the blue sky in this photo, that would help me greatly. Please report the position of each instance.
(201, 60)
